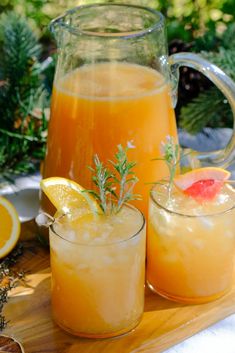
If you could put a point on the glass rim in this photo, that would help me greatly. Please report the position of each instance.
(51, 227)
(126, 35)
(152, 191)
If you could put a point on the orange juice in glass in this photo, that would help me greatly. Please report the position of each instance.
(190, 245)
(98, 272)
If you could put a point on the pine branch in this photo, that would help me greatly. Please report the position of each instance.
(228, 37)
(210, 108)
(211, 41)
(20, 69)
(22, 135)
(224, 59)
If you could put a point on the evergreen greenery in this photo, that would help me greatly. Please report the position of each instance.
(22, 129)
(210, 108)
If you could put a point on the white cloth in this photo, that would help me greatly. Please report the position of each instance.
(218, 338)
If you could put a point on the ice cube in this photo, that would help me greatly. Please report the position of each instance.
(207, 223)
(107, 260)
(82, 266)
(229, 233)
(198, 243)
(70, 235)
(86, 236)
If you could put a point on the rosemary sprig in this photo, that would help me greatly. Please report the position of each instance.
(115, 186)
(170, 151)
(103, 179)
(125, 177)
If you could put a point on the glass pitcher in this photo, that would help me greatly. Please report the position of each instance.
(115, 84)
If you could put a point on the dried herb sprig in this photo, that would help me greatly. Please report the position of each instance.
(8, 279)
(115, 186)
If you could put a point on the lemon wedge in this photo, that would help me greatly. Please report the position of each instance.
(9, 226)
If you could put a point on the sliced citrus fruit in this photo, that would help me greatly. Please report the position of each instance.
(203, 183)
(66, 195)
(9, 226)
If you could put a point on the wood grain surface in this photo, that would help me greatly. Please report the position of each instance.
(164, 323)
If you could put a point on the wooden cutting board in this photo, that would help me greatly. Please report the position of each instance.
(164, 323)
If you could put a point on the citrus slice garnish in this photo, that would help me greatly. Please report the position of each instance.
(67, 196)
(203, 183)
(9, 225)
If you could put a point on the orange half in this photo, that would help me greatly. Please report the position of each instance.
(9, 227)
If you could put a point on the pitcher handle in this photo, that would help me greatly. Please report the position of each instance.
(225, 156)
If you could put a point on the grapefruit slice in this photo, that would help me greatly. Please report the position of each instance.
(66, 196)
(9, 225)
(203, 183)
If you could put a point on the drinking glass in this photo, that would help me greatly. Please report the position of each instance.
(191, 247)
(98, 273)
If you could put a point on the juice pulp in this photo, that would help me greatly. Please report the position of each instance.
(98, 106)
(98, 273)
(190, 255)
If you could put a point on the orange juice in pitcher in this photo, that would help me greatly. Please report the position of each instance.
(99, 106)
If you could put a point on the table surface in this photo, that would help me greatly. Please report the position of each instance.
(218, 338)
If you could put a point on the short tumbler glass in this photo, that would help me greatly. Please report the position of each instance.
(98, 286)
(190, 258)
